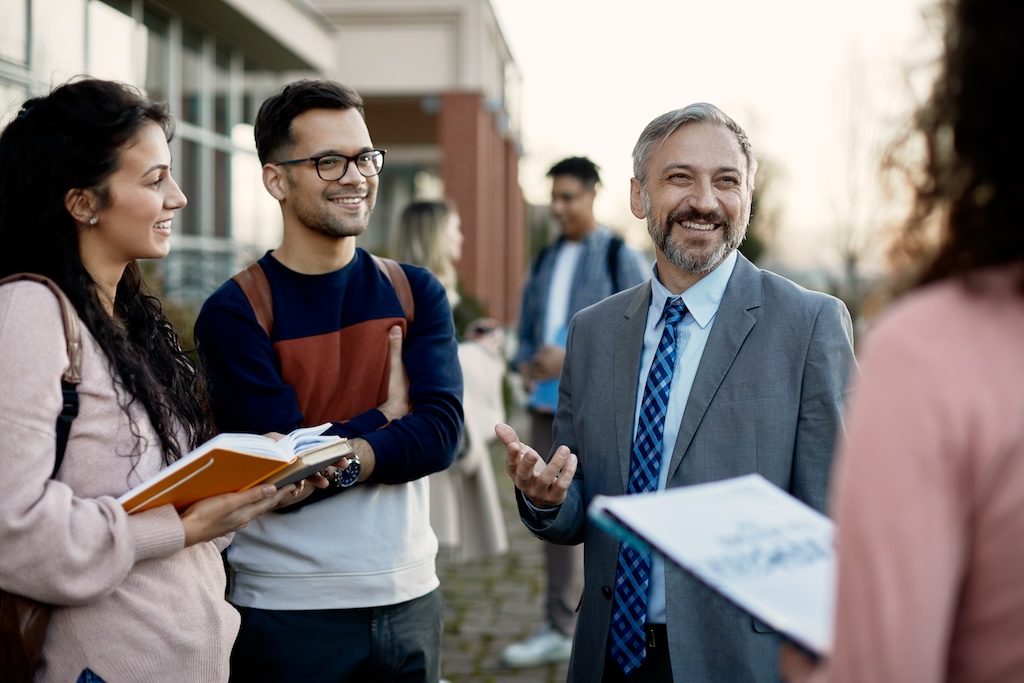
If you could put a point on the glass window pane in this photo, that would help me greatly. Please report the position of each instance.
(221, 194)
(14, 31)
(191, 74)
(187, 173)
(11, 98)
(58, 43)
(256, 214)
(257, 85)
(111, 41)
(156, 53)
(222, 91)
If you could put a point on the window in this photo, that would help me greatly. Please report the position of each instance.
(14, 31)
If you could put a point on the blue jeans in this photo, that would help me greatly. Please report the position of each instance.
(88, 676)
(393, 644)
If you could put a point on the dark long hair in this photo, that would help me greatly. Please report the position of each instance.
(73, 138)
(966, 213)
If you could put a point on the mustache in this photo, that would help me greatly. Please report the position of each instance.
(694, 215)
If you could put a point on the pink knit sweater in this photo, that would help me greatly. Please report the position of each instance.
(136, 605)
(930, 494)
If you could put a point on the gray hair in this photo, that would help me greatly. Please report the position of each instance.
(666, 124)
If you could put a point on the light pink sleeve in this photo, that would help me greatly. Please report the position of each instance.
(900, 511)
(58, 545)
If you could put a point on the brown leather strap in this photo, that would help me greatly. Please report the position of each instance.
(72, 332)
(256, 288)
(396, 276)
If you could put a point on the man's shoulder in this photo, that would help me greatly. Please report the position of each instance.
(229, 295)
(778, 288)
(613, 306)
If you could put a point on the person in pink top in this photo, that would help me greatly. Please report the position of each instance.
(929, 501)
(85, 190)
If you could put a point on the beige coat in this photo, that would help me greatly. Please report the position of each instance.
(464, 508)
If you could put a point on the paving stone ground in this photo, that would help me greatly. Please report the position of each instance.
(496, 601)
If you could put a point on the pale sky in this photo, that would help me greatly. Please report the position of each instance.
(805, 78)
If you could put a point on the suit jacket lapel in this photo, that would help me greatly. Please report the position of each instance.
(629, 342)
(732, 324)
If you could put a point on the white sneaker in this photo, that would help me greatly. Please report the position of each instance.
(547, 645)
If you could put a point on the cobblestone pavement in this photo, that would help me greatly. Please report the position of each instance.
(496, 601)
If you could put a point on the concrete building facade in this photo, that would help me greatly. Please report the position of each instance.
(440, 86)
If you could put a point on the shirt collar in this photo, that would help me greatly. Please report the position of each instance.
(703, 298)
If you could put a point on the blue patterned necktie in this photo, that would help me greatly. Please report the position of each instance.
(629, 610)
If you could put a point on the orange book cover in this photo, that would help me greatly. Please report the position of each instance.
(231, 462)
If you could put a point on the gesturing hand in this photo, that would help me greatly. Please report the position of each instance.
(543, 484)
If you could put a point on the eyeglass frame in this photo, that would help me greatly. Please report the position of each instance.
(316, 163)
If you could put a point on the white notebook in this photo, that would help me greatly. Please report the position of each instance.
(761, 548)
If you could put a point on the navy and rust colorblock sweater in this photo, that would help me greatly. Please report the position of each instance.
(327, 361)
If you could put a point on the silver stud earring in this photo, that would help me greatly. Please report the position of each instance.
(93, 221)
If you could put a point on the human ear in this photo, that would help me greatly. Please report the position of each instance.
(636, 199)
(274, 180)
(82, 205)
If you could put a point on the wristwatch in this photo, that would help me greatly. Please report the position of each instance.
(350, 475)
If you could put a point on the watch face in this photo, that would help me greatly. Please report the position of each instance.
(350, 474)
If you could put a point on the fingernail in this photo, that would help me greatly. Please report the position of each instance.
(269, 490)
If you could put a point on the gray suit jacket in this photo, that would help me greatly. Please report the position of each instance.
(767, 398)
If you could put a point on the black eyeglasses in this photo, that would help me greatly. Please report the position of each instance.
(335, 166)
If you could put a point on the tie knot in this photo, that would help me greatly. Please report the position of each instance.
(674, 311)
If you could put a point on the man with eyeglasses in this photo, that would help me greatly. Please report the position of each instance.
(341, 585)
(583, 266)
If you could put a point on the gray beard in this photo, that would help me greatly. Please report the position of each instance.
(688, 260)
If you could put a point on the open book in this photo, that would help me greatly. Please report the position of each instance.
(235, 462)
(758, 546)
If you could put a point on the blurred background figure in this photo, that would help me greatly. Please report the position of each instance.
(464, 508)
(930, 485)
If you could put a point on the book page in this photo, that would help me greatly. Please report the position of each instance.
(758, 546)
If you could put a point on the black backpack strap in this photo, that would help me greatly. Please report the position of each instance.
(67, 414)
(73, 373)
(614, 246)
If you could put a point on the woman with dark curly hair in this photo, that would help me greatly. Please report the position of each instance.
(930, 484)
(85, 190)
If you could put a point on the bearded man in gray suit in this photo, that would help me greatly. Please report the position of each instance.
(756, 384)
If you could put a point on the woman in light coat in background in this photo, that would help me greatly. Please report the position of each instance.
(465, 512)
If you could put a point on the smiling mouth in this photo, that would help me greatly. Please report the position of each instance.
(163, 225)
(703, 227)
(348, 201)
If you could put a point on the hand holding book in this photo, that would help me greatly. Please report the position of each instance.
(235, 462)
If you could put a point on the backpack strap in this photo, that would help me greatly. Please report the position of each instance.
(614, 245)
(256, 288)
(72, 375)
(398, 279)
(254, 284)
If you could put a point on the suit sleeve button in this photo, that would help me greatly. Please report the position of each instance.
(606, 591)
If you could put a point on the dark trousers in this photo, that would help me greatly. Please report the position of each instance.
(394, 644)
(656, 667)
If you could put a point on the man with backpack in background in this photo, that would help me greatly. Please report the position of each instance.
(585, 264)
